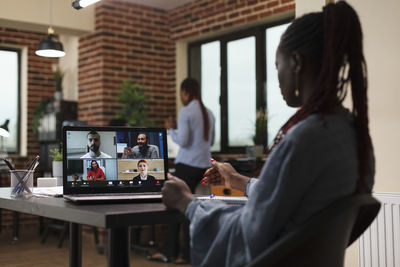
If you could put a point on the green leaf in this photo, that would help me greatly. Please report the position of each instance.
(56, 154)
(134, 100)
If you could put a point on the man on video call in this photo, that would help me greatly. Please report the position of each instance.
(143, 149)
(94, 146)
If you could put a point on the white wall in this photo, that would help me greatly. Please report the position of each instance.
(69, 66)
(380, 21)
(34, 15)
(307, 6)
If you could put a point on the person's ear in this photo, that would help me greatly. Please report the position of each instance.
(296, 62)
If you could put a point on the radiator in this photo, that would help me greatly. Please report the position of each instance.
(379, 246)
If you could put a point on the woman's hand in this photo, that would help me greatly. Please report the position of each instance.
(169, 123)
(176, 194)
(224, 174)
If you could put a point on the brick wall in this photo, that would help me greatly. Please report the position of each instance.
(131, 42)
(207, 16)
(40, 85)
(137, 43)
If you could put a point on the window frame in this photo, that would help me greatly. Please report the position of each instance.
(194, 70)
(18, 134)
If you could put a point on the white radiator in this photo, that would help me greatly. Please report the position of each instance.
(379, 246)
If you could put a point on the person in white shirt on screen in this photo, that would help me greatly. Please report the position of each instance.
(94, 146)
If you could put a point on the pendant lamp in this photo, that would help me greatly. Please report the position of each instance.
(50, 47)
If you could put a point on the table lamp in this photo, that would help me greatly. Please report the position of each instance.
(4, 133)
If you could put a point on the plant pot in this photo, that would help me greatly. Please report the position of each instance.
(58, 172)
(58, 95)
(258, 150)
(57, 169)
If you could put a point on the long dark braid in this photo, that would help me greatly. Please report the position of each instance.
(333, 39)
(191, 86)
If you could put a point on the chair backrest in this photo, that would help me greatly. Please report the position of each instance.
(322, 240)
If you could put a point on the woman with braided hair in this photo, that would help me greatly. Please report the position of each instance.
(323, 153)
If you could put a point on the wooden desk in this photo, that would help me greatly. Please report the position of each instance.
(115, 217)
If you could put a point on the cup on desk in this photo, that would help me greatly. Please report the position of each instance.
(21, 182)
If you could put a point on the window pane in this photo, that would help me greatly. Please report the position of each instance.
(241, 91)
(211, 85)
(278, 111)
(9, 98)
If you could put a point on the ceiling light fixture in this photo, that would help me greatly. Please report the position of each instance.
(50, 47)
(78, 4)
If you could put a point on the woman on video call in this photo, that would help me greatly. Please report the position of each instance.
(144, 178)
(95, 172)
(323, 153)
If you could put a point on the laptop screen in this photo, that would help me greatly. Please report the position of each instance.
(114, 159)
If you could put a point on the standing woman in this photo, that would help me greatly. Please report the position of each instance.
(323, 153)
(195, 136)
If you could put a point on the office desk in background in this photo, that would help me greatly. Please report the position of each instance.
(115, 217)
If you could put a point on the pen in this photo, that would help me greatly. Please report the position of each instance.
(10, 166)
(33, 162)
(25, 179)
(212, 195)
(22, 181)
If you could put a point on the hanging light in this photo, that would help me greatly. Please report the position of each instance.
(50, 47)
(78, 4)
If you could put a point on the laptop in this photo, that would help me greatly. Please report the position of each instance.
(114, 163)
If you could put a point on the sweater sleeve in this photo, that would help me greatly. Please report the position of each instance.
(313, 166)
(226, 235)
(182, 134)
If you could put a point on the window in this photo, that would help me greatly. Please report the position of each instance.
(10, 95)
(211, 86)
(237, 75)
(241, 85)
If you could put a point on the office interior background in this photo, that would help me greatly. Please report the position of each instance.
(158, 44)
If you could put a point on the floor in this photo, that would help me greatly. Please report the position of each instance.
(28, 251)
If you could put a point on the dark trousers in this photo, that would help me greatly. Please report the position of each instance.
(192, 176)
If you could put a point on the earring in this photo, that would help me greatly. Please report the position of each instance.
(296, 91)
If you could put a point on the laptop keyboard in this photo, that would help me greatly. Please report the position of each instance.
(116, 194)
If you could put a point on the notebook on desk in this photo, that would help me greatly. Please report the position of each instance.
(114, 163)
(232, 200)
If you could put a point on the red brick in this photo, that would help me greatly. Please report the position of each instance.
(272, 4)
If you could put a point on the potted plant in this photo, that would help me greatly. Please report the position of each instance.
(134, 100)
(39, 112)
(260, 136)
(57, 165)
